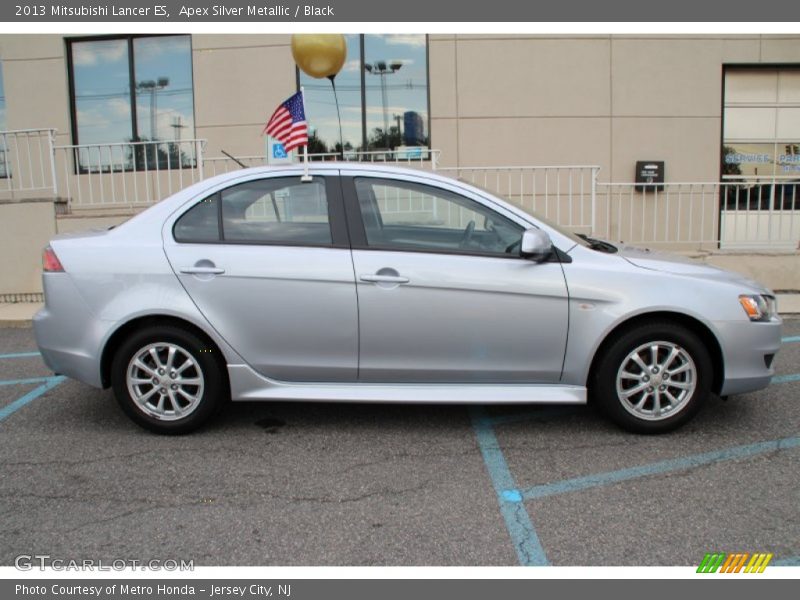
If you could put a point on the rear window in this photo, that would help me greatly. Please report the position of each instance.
(266, 211)
(200, 223)
(275, 211)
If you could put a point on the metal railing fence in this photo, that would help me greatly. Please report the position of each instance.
(26, 161)
(737, 213)
(126, 174)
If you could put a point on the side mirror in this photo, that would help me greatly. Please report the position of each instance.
(536, 245)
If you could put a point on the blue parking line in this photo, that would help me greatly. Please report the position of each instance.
(667, 466)
(20, 355)
(792, 339)
(523, 534)
(786, 378)
(10, 409)
(24, 381)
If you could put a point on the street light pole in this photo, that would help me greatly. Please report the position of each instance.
(177, 125)
(382, 68)
(152, 86)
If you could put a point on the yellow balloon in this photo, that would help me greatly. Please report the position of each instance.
(319, 54)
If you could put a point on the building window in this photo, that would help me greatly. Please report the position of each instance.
(761, 138)
(3, 126)
(132, 89)
(4, 167)
(383, 97)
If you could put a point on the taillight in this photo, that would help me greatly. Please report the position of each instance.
(50, 262)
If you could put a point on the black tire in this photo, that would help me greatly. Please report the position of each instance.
(603, 383)
(207, 361)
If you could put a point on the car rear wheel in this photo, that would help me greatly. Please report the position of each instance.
(168, 380)
(653, 378)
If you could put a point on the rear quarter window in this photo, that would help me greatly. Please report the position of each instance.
(200, 223)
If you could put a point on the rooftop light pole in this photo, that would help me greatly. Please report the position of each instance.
(152, 86)
(382, 68)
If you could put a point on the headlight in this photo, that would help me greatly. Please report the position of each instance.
(759, 307)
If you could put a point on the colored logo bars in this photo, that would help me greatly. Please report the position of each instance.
(745, 562)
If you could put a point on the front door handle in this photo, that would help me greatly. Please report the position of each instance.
(202, 271)
(384, 279)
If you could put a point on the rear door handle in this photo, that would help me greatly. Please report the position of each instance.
(384, 279)
(202, 271)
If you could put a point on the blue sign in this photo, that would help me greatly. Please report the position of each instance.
(278, 151)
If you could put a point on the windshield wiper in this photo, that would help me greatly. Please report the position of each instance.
(598, 245)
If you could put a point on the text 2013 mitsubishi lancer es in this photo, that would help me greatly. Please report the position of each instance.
(380, 284)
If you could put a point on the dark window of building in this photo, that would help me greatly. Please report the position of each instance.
(132, 89)
(383, 96)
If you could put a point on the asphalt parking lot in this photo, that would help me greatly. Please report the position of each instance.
(328, 484)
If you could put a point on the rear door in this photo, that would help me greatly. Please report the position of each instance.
(268, 262)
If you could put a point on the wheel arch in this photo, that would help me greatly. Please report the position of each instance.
(120, 334)
(696, 326)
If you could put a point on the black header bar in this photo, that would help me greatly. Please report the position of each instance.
(437, 11)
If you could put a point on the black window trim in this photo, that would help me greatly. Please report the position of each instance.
(73, 106)
(336, 217)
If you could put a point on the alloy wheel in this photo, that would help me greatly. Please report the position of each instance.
(165, 381)
(656, 380)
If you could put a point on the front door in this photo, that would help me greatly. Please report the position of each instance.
(443, 294)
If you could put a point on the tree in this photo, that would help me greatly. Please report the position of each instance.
(316, 145)
(159, 155)
(729, 167)
(381, 140)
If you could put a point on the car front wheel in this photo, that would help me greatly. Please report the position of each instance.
(653, 378)
(167, 379)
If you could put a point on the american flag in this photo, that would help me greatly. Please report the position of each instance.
(288, 123)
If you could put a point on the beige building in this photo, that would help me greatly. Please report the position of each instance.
(127, 119)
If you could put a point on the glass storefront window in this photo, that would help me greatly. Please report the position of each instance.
(163, 78)
(102, 98)
(383, 95)
(131, 89)
(396, 91)
(748, 160)
(320, 105)
(761, 133)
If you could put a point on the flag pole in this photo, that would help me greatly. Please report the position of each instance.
(305, 176)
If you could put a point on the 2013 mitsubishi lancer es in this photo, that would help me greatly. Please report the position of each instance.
(381, 284)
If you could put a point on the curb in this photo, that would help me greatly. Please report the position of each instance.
(16, 323)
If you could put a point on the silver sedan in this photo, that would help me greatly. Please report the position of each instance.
(380, 284)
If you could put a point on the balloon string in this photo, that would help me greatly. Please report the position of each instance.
(338, 114)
